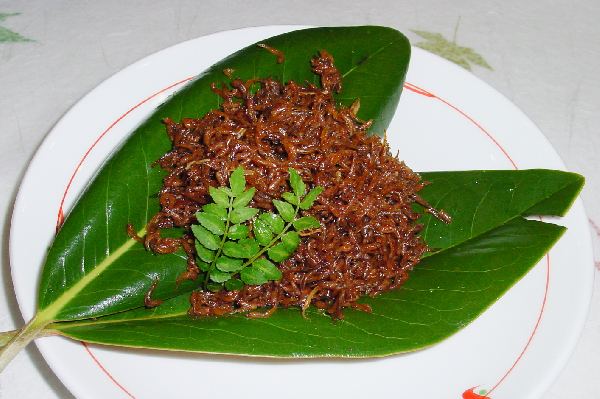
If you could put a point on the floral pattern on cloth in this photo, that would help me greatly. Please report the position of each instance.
(7, 35)
(438, 44)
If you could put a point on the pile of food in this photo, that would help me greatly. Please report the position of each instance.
(369, 238)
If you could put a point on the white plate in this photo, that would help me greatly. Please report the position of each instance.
(449, 120)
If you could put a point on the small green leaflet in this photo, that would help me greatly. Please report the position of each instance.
(231, 252)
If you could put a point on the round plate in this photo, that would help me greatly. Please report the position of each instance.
(447, 120)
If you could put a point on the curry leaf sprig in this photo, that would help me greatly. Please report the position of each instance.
(234, 246)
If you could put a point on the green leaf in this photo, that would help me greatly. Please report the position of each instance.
(242, 214)
(297, 184)
(212, 223)
(229, 265)
(237, 231)
(275, 222)
(492, 198)
(306, 222)
(219, 196)
(310, 198)
(219, 276)
(215, 286)
(235, 250)
(244, 198)
(279, 252)
(250, 245)
(237, 181)
(226, 190)
(286, 210)
(95, 277)
(215, 209)
(461, 275)
(93, 268)
(205, 237)
(234, 284)
(291, 198)
(262, 232)
(204, 266)
(253, 276)
(270, 271)
(414, 317)
(290, 241)
(204, 253)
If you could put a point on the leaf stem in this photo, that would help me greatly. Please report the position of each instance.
(6, 336)
(24, 336)
(456, 30)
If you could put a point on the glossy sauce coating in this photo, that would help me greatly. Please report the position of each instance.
(369, 236)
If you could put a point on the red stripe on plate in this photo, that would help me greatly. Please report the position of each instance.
(105, 371)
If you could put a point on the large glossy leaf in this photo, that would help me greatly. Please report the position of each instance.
(95, 277)
(444, 293)
(94, 269)
(481, 200)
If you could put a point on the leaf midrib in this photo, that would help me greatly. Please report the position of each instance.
(368, 59)
(58, 326)
(50, 313)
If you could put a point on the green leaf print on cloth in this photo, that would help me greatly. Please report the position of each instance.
(7, 35)
(438, 44)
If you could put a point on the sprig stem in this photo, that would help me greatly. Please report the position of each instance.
(24, 336)
(6, 336)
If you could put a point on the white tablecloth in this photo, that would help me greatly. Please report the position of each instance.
(544, 56)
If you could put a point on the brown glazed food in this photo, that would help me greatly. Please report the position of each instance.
(369, 236)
